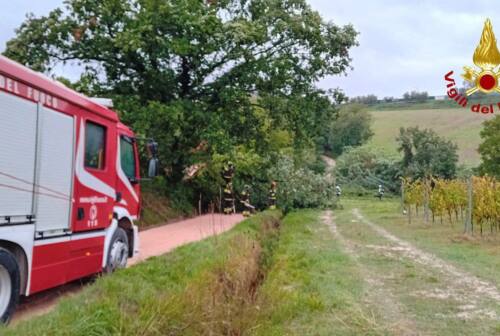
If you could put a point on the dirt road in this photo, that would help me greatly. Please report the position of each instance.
(376, 293)
(154, 242)
(414, 291)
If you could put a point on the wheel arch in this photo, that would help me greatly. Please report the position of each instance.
(22, 261)
(126, 224)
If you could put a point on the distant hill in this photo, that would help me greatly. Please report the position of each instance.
(459, 125)
(432, 103)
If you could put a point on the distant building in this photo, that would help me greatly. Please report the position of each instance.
(440, 98)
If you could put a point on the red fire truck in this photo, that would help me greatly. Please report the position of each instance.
(69, 191)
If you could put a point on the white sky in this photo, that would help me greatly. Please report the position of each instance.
(404, 45)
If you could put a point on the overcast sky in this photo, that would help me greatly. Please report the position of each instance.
(404, 45)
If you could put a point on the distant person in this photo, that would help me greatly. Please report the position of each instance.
(228, 199)
(272, 195)
(245, 200)
(381, 192)
(338, 191)
(228, 174)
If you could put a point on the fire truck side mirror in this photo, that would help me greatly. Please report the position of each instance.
(153, 164)
(153, 167)
(152, 148)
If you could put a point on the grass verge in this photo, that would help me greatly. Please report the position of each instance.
(313, 287)
(264, 277)
(204, 288)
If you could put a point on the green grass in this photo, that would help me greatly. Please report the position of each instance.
(246, 281)
(313, 287)
(180, 293)
(475, 254)
(458, 125)
(403, 279)
(295, 278)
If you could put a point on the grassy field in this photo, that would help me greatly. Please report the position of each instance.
(475, 254)
(459, 125)
(313, 286)
(429, 279)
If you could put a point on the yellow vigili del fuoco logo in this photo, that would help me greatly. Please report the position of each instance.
(487, 58)
(485, 78)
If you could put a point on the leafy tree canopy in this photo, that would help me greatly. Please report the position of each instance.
(210, 80)
(368, 99)
(416, 96)
(350, 128)
(425, 153)
(164, 50)
(490, 148)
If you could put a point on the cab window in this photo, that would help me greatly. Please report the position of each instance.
(127, 157)
(95, 145)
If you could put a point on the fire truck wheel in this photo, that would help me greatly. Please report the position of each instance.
(118, 251)
(9, 284)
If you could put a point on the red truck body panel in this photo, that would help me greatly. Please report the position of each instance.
(98, 196)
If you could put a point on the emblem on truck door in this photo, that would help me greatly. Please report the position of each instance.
(92, 216)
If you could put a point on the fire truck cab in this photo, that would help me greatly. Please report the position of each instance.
(69, 191)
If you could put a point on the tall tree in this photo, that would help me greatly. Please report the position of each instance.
(351, 128)
(425, 153)
(490, 147)
(234, 75)
(164, 50)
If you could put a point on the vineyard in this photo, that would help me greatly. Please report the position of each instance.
(475, 203)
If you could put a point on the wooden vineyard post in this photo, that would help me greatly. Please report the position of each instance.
(468, 214)
(426, 200)
(220, 200)
(402, 196)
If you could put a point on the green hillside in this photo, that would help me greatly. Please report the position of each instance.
(459, 125)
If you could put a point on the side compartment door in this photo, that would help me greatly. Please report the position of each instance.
(53, 199)
(55, 174)
(18, 119)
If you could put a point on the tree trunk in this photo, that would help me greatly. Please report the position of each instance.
(185, 77)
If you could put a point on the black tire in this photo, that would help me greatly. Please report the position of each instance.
(8, 264)
(119, 237)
